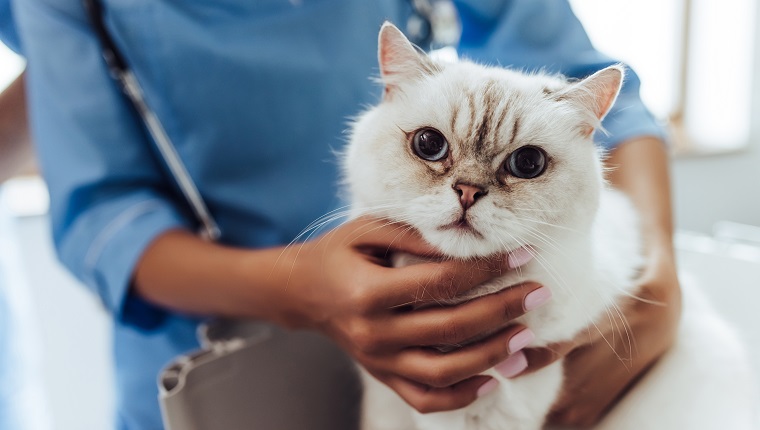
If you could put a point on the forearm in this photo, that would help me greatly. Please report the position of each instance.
(15, 143)
(179, 271)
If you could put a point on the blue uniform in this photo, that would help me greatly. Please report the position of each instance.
(256, 97)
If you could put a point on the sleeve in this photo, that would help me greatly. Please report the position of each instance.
(109, 198)
(546, 35)
(8, 34)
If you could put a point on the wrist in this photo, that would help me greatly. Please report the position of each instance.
(273, 286)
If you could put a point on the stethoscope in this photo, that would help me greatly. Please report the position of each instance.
(433, 24)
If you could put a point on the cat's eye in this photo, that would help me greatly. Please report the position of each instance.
(527, 162)
(430, 145)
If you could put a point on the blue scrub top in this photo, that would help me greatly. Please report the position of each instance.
(256, 96)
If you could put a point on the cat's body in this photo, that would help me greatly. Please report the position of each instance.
(483, 161)
(522, 403)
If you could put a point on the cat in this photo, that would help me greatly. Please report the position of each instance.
(484, 161)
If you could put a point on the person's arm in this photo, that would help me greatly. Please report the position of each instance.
(341, 285)
(16, 153)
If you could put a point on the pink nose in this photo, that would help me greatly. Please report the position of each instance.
(468, 194)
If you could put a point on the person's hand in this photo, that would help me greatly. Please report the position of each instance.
(343, 285)
(631, 344)
(603, 362)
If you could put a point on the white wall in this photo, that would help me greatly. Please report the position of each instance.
(63, 333)
(722, 187)
(718, 187)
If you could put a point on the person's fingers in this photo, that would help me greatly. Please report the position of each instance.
(381, 236)
(538, 358)
(597, 394)
(428, 399)
(433, 368)
(435, 282)
(460, 324)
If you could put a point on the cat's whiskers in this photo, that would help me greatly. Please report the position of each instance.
(539, 259)
(561, 227)
(543, 238)
(627, 330)
(560, 282)
(512, 208)
(315, 227)
(620, 324)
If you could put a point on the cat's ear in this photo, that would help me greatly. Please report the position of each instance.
(400, 61)
(596, 94)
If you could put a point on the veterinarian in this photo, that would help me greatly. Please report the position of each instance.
(255, 96)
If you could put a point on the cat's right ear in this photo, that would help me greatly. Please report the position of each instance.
(400, 61)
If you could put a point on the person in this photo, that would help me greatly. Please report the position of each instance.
(255, 96)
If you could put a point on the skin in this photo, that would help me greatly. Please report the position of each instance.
(16, 151)
(342, 285)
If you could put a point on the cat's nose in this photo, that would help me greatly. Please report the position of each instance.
(468, 194)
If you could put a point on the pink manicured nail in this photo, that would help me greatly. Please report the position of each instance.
(487, 387)
(520, 340)
(513, 365)
(518, 257)
(537, 298)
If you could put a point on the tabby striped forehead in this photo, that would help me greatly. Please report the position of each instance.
(485, 119)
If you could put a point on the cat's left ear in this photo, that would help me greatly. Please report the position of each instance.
(596, 94)
(400, 61)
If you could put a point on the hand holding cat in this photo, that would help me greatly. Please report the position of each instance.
(342, 285)
(652, 324)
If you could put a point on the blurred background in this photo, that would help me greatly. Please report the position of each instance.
(698, 62)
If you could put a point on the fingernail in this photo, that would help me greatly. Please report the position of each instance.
(487, 387)
(518, 257)
(537, 298)
(519, 341)
(513, 365)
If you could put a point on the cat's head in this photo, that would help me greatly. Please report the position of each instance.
(479, 159)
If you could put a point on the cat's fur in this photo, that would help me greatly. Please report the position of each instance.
(584, 235)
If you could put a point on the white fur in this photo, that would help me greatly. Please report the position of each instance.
(584, 235)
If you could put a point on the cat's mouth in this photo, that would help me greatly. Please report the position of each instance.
(461, 226)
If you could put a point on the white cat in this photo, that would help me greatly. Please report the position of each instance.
(483, 160)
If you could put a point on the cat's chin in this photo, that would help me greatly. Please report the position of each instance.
(462, 243)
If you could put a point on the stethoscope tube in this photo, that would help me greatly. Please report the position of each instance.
(120, 72)
(441, 20)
